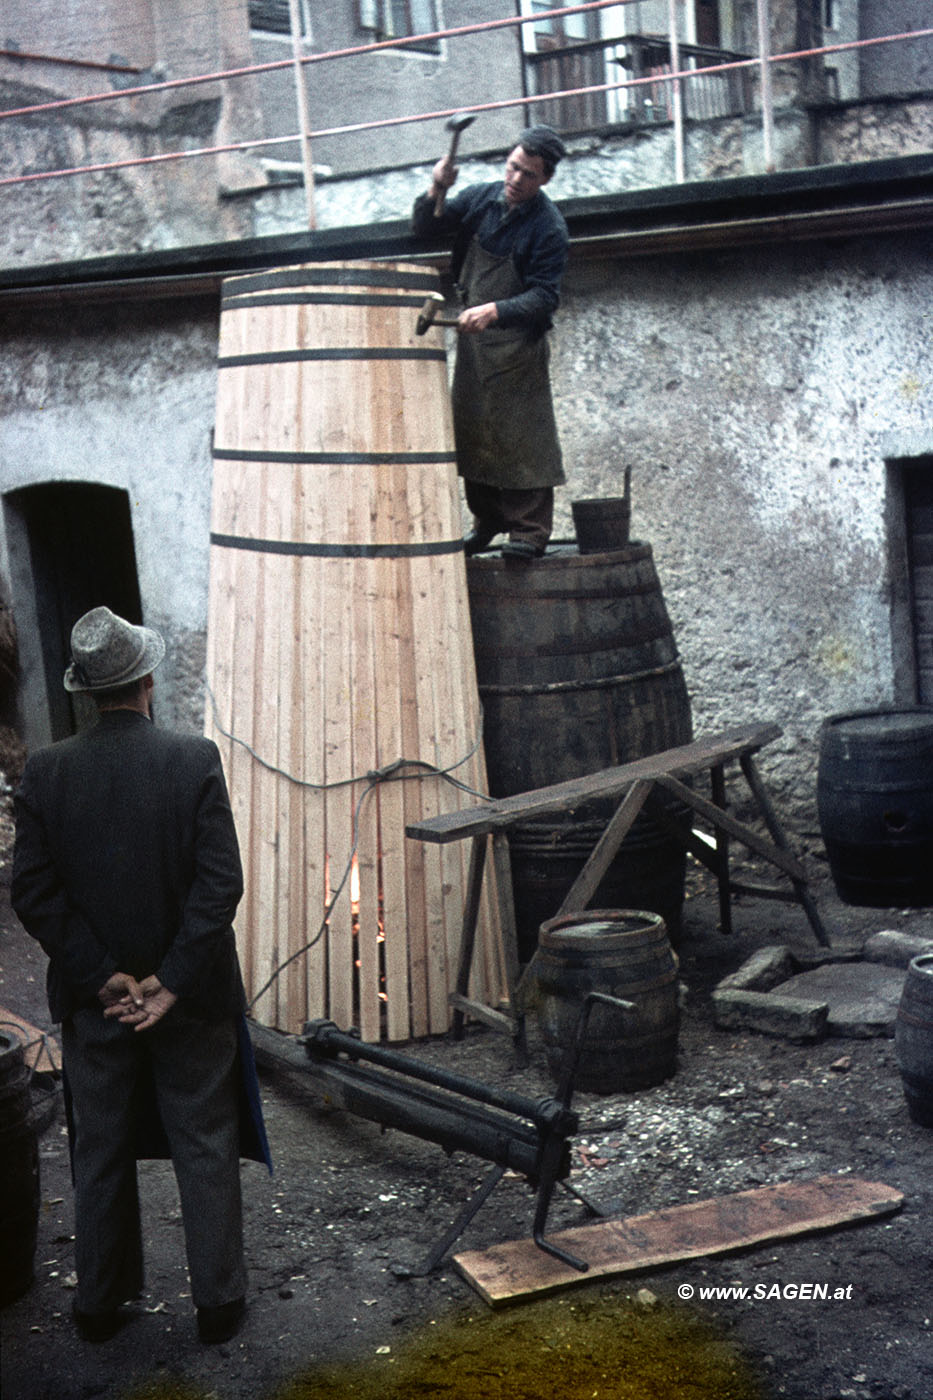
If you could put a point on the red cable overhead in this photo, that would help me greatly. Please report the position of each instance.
(171, 83)
(352, 128)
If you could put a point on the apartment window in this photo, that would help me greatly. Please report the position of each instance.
(274, 16)
(401, 19)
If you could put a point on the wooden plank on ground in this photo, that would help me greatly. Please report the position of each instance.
(509, 1272)
(40, 1048)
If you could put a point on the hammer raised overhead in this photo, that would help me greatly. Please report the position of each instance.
(429, 316)
(457, 124)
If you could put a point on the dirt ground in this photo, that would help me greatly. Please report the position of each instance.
(329, 1313)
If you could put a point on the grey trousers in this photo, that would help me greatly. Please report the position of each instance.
(112, 1071)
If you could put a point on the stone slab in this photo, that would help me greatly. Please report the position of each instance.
(862, 997)
(764, 969)
(894, 948)
(794, 1017)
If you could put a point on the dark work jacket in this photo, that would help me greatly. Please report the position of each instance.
(126, 859)
(533, 235)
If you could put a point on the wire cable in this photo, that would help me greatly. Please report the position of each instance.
(389, 773)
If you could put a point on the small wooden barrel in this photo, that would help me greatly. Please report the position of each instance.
(913, 1039)
(339, 645)
(19, 1174)
(875, 804)
(626, 954)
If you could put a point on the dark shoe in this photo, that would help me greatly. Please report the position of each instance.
(97, 1327)
(476, 541)
(221, 1323)
(522, 549)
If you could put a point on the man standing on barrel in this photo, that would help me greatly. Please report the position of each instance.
(509, 253)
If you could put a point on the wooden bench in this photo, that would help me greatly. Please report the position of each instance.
(633, 786)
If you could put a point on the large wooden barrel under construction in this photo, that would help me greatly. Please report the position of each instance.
(340, 665)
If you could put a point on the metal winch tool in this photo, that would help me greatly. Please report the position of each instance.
(513, 1131)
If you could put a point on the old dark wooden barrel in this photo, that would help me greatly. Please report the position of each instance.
(875, 804)
(19, 1173)
(578, 671)
(625, 953)
(913, 1039)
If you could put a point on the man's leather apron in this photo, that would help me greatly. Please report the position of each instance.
(504, 424)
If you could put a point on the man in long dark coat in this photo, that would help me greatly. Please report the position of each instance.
(127, 872)
(509, 253)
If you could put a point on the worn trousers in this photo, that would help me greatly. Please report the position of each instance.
(188, 1067)
(523, 515)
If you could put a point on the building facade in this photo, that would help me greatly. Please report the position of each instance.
(766, 375)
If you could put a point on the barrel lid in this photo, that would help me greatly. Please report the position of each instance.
(594, 928)
(909, 720)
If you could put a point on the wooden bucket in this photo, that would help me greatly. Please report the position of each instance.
(339, 644)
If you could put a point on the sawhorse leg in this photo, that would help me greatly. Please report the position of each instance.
(718, 786)
(514, 1023)
(760, 793)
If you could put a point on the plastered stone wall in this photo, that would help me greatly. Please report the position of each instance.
(123, 397)
(756, 396)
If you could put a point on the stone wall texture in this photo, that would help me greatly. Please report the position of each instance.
(759, 397)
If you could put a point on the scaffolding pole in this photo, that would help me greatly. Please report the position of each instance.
(304, 121)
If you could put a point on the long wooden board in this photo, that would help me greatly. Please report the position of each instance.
(509, 1272)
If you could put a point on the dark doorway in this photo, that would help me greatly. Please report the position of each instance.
(81, 555)
(918, 519)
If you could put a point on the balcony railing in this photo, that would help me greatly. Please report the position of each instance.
(638, 56)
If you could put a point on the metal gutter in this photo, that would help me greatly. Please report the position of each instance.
(842, 201)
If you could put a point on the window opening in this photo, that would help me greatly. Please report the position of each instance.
(402, 19)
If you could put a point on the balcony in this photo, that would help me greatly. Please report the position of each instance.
(642, 57)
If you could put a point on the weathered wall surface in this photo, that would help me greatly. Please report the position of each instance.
(756, 396)
(124, 397)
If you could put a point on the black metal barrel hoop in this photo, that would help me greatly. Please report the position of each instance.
(875, 805)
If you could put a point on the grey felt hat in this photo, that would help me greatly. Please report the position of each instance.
(107, 651)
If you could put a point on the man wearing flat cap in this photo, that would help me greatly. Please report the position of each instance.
(510, 247)
(127, 872)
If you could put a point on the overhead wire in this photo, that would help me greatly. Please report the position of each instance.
(352, 128)
(352, 51)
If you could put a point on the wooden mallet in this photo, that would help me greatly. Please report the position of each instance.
(455, 124)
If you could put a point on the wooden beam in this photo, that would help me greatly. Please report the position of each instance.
(564, 797)
(782, 859)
